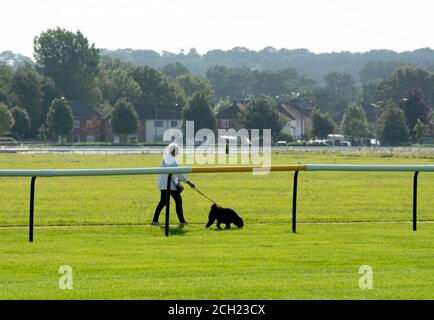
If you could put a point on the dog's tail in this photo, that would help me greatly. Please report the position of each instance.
(211, 219)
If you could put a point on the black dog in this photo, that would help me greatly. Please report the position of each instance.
(225, 216)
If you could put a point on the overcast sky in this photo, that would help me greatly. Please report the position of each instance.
(172, 25)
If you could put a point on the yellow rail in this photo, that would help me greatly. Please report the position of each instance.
(248, 168)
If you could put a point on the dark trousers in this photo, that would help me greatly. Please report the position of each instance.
(178, 202)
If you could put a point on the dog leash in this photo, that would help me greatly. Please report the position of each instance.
(200, 192)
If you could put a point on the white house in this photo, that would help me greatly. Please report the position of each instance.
(155, 128)
(298, 122)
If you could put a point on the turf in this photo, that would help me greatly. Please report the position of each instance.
(259, 262)
(262, 261)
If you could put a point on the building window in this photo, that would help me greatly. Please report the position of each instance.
(158, 123)
(132, 138)
(76, 138)
(116, 139)
(225, 123)
(90, 138)
(76, 124)
(158, 138)
(173, 124)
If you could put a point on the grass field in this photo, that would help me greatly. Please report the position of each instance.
(98, 226)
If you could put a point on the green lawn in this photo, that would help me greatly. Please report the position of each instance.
(262, 261)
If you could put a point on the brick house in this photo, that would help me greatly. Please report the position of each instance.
(88, 124)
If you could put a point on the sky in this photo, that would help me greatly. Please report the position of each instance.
(175, 25)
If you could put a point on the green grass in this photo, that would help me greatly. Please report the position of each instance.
(262, 261)
(259, 262)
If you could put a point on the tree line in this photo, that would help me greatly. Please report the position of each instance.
(361, 66)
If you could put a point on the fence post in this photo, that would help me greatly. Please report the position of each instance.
(415, 200)
(294, 203)
(166, 227)
(32, 202)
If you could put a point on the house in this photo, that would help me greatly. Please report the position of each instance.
(298, 123)
(229, 117)
(288, 127)
(138, 136)
(160, 121)
(88, 125)
(153, 122)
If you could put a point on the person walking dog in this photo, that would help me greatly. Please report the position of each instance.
(175, 187)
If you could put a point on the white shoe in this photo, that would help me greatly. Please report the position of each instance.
(185, 223)
(155, 223)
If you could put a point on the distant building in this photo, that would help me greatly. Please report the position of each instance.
(88, 125)
(136, 137)
(160, 121)
(288, 127)
(298, 123)
(229, 118)
(153, 122)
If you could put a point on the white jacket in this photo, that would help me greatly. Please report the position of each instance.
(170, 161)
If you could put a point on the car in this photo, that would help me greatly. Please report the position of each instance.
(8, 141)
(317, 142)
(338, 140)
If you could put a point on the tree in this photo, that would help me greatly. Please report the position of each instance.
(228, 82)
(340, 90)
(270, 83)
(308, 63)
(404, 80)
(174, 70)
(419, 130)
(50, 92)
(223, 104)
(198, 110)
(21, 127)
(370, 98)
(415, 107)
(192, 84)
(158, 91)
(262, 113)
(379, 70)
(322, 124)
(43, 133)
(6, 118)
(279, 83)
(354, 122)
(3, 96)
(116, 82)
(27, 88)
(392, 127)
(6, 74)
(59, 118)
(124, 118)
(70, 61)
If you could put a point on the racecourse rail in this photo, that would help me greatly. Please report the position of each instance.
(216, 169)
